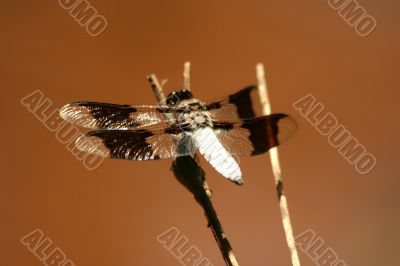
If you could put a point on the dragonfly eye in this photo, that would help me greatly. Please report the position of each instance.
(172, 99)
(177, 96)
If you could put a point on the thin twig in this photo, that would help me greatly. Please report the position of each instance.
(157, 88)
(186, 76)
(276, 169)
(189, 173)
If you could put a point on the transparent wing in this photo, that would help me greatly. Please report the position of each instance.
(244, 104)
(255, 136)
(138, 144)
(96, 115)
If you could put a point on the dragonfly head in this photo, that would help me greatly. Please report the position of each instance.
(174, 98)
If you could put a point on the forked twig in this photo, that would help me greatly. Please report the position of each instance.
(276, 169)
(189, 173)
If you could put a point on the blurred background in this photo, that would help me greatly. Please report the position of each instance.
(112, 215)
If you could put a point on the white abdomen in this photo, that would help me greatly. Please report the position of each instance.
(211, 148)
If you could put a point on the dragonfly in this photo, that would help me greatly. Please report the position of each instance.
(219, 130)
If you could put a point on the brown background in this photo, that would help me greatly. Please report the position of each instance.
(112, 216)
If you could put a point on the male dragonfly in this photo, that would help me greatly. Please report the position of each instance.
(181, 127)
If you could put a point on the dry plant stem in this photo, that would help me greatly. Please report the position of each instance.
(157, 88)
(276, 168)
(189, 173)
(186, 76)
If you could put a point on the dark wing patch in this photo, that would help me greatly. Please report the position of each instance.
(96, 115)
(138, 144)
(244, 104)
(255, 136)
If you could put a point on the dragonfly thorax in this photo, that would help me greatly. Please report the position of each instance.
(195, 119)
(195, 115)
